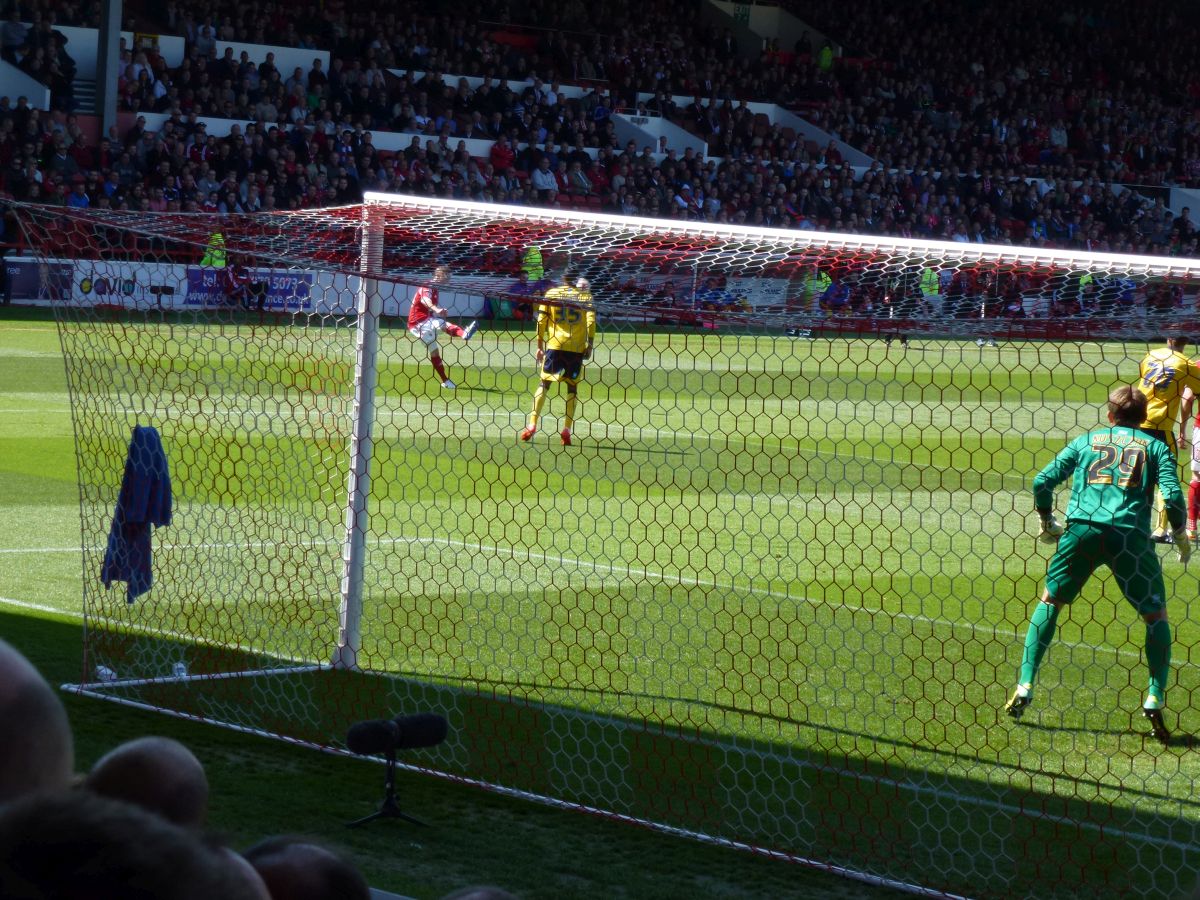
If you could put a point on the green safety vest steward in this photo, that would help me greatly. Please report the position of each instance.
(930, 283)
(214, 254)
(816, 285)
(531, 264)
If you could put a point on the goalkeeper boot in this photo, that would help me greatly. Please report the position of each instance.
(449, 385)
(1162, 537)
(1019, 702)
(470, 330)
(528, 432)
(566, 437)
(1158, 728)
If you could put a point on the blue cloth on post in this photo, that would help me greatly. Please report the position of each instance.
(145, 500)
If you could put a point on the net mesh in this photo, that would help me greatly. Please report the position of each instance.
(774, 591)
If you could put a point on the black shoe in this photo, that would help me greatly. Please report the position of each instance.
(1162, 537)
(1158, 728)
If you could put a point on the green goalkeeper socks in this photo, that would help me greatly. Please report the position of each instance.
(1037, 639)
(1158, 658)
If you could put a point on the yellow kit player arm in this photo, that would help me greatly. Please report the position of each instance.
(543, 321)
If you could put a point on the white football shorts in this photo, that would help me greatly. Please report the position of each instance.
(427, 332)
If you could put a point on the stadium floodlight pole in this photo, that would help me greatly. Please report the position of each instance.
(366, 373)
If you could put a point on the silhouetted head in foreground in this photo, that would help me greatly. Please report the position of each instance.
(37, 752)
(158, 774)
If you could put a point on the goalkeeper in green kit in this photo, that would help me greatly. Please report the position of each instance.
(1113, 474)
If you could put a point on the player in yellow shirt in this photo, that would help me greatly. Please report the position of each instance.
(1164, 376)
(566, 329)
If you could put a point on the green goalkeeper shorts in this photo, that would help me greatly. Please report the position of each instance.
(1085, 546)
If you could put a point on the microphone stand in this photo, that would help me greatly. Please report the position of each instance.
(390, 808)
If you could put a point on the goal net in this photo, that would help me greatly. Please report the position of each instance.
(772, 594)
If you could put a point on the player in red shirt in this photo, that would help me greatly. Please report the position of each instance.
(426, 318)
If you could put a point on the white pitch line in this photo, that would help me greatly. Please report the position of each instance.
(40, 607)
(681, 580)
(479, 425)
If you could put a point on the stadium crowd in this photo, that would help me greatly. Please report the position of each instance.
(1100, 89)
(1005, 141)
(135, 823)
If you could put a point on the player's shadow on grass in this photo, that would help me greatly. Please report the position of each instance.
(1179, 740)
(656, 451)
(1184, 741)
(1076, 729)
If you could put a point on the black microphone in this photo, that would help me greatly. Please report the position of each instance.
(379, 736)
(372, 738)
(420, 730)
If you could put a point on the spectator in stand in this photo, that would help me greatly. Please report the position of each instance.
(836, 298)
(205, 41)
(578, 183)
(78, 198)
(12, 36)
(544, 183)
(501, 155)
(561, 178)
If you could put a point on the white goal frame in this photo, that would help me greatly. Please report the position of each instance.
(345, 648)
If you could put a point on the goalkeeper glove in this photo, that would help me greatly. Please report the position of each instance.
(1052, 529)
(1183, 547)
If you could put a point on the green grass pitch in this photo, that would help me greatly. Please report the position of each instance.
(819, 551)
